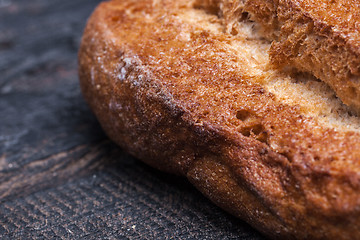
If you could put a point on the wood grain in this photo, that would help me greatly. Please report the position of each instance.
(60, 176)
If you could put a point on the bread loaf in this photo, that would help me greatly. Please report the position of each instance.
(172, 84)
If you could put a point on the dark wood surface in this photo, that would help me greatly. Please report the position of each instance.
(60, 176)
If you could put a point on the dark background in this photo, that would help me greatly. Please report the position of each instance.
(60, 176)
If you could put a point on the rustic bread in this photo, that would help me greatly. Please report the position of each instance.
(173, 87)
(320, 37)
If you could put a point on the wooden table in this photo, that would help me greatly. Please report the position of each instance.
(60, 176)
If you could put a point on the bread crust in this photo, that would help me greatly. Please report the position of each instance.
(171, 93)
(319, 37)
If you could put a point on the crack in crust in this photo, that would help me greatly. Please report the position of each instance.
(319, 37)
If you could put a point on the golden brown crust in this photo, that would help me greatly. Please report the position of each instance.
(171, 93)
(320, 37)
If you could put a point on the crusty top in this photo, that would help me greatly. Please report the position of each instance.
(168, 85)
(343, 16)
(320, 37)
